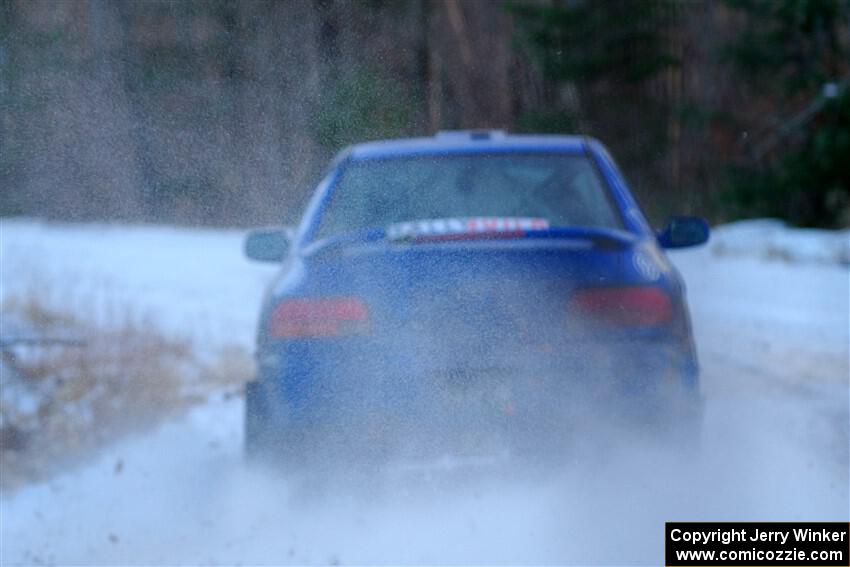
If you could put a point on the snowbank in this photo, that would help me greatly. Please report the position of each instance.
(773, 239)
(189, 281)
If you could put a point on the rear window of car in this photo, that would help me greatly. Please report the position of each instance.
(564, 189)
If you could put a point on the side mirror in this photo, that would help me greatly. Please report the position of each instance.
(682, 232)
(268, 245)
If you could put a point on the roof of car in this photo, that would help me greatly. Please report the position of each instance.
(467, 141)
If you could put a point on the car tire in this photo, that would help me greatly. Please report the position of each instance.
(267, 439)
(255, 442)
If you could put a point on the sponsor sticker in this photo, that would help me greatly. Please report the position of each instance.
(465, 226)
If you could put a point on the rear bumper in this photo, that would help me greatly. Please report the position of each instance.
(356, 380)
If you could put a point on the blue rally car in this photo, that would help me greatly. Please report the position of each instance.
(467, 291)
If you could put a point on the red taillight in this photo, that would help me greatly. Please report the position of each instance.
(624, 306)
(319, 317)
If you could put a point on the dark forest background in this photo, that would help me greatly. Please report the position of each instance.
(225, 113)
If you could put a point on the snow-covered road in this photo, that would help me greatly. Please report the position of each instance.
(772, 320)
